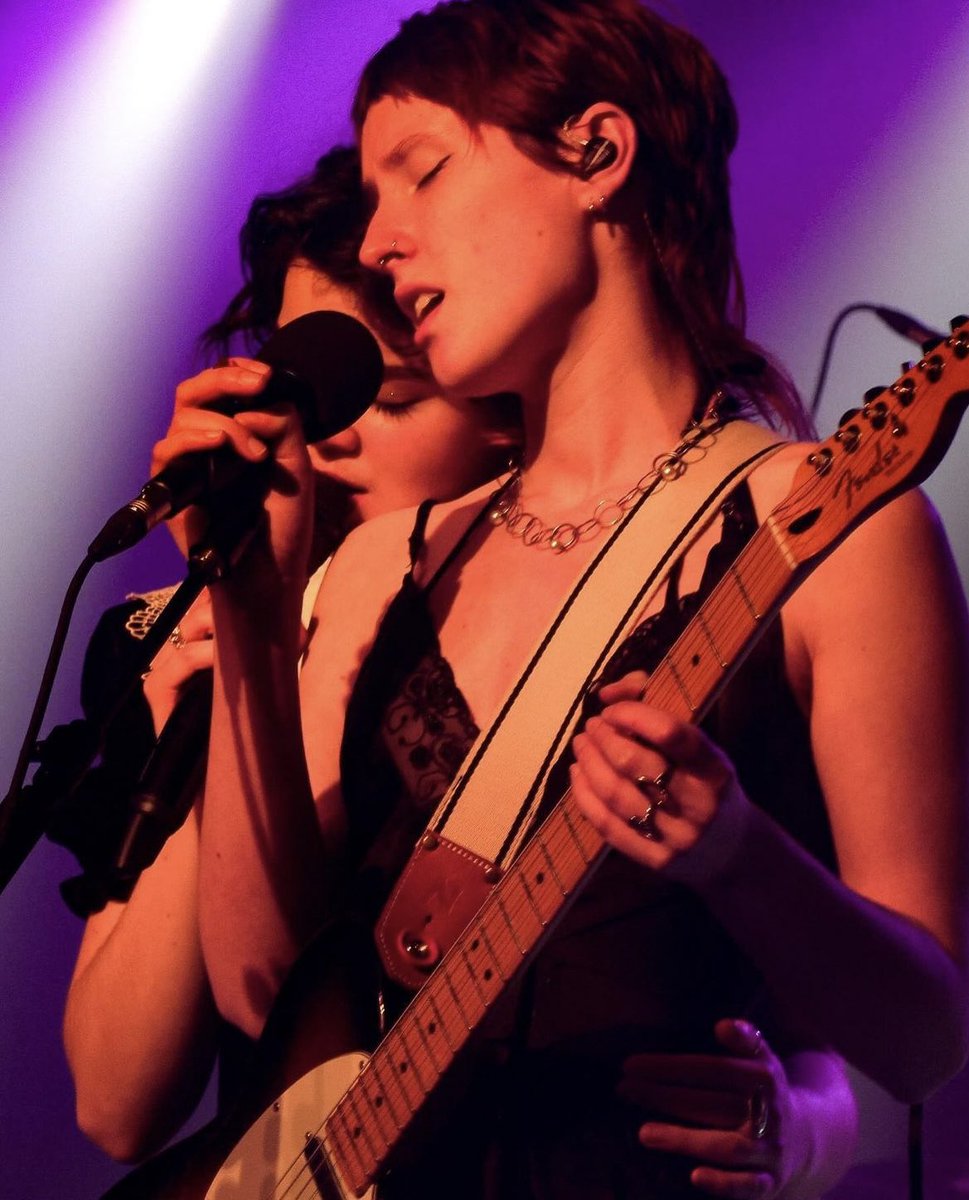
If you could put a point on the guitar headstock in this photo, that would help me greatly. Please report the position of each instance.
(893, 442)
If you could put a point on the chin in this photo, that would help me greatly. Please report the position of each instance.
(463, 379)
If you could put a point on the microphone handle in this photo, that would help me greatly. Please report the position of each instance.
(167, 787)
(185, 481)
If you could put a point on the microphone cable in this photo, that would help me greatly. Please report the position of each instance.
(900, 322)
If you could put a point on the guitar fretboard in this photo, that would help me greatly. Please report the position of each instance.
(513, 922)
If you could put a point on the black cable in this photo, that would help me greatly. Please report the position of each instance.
(900, 322)
(22, 826)
(916, 1175)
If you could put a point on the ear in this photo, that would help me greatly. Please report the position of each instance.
(601, 145)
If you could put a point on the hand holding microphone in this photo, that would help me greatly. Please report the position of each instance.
(326, 364)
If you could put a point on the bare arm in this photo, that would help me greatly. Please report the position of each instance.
(269, 884)
(140, 1025)
(873, 962)
(270, 841)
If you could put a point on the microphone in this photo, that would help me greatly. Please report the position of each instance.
(899, 322)
(166, 790)
(907, 326)
(327, 364)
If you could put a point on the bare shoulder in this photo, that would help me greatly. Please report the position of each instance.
(892, 577)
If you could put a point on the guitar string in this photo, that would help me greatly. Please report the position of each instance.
(723, 611)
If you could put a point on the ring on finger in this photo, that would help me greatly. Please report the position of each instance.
(657, 794)
(176, 637)
(658, 786)
(758, 1112)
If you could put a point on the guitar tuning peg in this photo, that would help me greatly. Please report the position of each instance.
(904, 389)
(849, 416)
(956, 322)
(873, 393)
(932, 344)
(907, 366)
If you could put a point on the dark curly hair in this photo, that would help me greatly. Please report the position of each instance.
(320, 219)
(527, 66)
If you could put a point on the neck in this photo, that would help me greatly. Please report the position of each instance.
(622, 394)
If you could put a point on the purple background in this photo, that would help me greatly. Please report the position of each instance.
(117, 245)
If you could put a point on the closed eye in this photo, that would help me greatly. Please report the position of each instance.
(426, 179)
(397, 409)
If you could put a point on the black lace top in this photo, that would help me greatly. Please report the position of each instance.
(638, 963)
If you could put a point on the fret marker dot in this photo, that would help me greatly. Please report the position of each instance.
(695, 660)
(403, 1068)
(540, 877)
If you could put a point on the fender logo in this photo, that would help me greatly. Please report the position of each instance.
(851, 483)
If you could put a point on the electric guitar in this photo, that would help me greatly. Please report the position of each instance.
(335, 1128)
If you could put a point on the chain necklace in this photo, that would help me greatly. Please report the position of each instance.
(506, 508)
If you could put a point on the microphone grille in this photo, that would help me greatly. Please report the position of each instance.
(335, 360)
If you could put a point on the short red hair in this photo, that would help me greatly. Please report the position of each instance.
(527, 66)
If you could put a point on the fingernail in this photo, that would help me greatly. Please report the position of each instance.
(257, 447)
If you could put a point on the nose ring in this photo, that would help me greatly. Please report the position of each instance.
(385, 258)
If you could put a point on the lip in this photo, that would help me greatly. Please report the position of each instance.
(411, 298)
(425, 329)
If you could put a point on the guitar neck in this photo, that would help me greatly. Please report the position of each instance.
(535, 891)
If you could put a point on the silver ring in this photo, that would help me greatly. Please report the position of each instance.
(385, 258)
(176, 638)
(645, 823)
(657, 794)
(758, 1113)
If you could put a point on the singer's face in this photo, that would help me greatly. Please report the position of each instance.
(412, 443)
(488, 250)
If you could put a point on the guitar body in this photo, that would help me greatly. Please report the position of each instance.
(303, 1064)
(280, 1150)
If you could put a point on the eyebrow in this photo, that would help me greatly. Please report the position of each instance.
(398, 156)
(394, 159)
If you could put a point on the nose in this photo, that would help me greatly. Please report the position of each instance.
(380, 244)
(344, 444)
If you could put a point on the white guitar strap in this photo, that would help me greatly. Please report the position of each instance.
(488, 808)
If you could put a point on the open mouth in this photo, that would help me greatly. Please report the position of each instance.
(425, 303)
